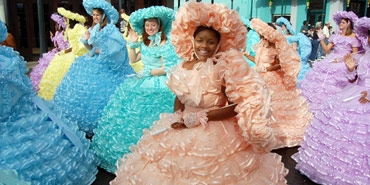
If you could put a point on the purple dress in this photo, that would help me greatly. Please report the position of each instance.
(336, 146)
(43, 63)
(327, 77)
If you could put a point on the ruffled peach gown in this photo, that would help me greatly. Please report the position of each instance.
(231, 151)
(290, 110)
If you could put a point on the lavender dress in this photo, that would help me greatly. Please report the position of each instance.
(336, 146)
(327, 77)
(43, 63)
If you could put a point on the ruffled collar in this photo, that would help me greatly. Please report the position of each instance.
(155, 40)
(93, 33)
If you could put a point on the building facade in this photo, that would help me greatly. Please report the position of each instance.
(296, 11)
(23, 17)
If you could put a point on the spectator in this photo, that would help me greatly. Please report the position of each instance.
(304, 28)
(315, 44)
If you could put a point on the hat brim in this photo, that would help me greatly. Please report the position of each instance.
(166, 16)
(282, 20)
(362, 26)
(216, 16)
(338, 16)
(110, 12)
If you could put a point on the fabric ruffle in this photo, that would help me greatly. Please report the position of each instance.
(87, 86)
(282, 20)
(38, 143)
(11, 177)
(38, 71)
(231, 151)
(194, 14)
(59, 20)
(289, 59)
(327, 77)
(166, 16)
(305, 47)
(134, 106)
(54, 74)
(336, 145)
(70, 15)
(61, 63)
(362, 26)
(338, 16)
(3, 31)
(252, 39)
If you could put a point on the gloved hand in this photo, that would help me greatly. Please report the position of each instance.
(196, 118)
(321, 36)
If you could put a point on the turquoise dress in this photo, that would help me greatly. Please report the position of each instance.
(252, 39)
(134, 106)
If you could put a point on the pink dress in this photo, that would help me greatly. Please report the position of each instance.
(231, 151)
(290, 110)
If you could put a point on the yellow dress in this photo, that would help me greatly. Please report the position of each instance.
(60, 64)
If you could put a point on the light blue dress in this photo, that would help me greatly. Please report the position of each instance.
(92, 78)
(37, 141)
(134, 106)
(304, 50)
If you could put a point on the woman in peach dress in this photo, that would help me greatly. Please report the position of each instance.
(279, 64)
(219, 132)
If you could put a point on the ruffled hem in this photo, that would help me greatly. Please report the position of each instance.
(290, 112)
(335, 148)
(322, 81)
(39, 69)
(86, 88)
(40, 152)
(216, 154)
(39, 143)
(134, 106)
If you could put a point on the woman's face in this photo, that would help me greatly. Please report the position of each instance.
(205, 44)
(151, 26)
(97, 16)
(343, 24)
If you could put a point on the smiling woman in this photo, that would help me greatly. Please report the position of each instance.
(139, 100)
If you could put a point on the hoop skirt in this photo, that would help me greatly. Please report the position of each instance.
(92, 79)
(327, 77)
(222, 152)
(336, 146)
(134, 106)
(37, 141)
(61, 63)
(43, 63)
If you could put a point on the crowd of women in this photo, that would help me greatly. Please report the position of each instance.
(197, 96)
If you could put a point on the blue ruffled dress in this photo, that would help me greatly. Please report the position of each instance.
(134, 106)
(304, 51)
(37, 141)
(92, 78)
